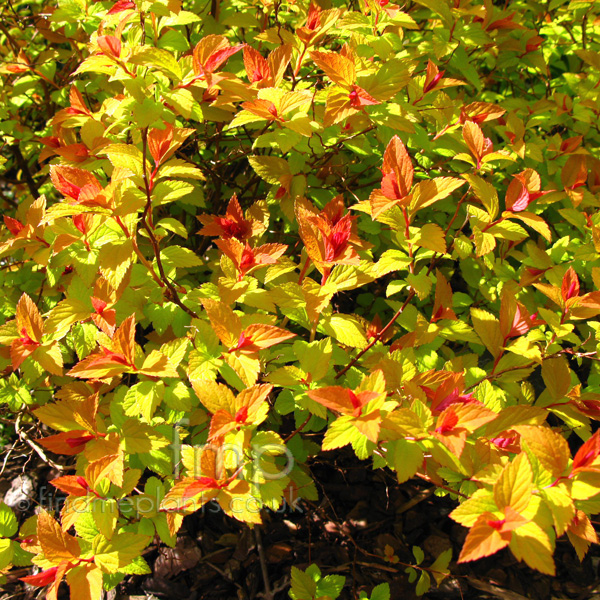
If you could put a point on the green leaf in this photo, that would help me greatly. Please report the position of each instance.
(162, 60)
(8, 521)
(173, 225)
(330, 585)
(314, 358)
(380, 592)
(346, 329)
(176, 256)
(138, 437)
(303, 585)
(125, 156)
(408, 459)
(6, 553)
(143, 398)
(118, 552)
(341, 433)
(423, 584)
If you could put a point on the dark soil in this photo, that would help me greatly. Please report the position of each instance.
(359, 513)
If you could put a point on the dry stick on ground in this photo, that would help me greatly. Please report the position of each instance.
(35, 447)
(495, 590)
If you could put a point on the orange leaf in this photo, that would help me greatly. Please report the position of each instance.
(484, 538)
(221, 423)
(338, 68)
(265, 336)
(369, 425)
(56, 545)
(396, 160)
(124, 339)
(474, 139)
(68, 443)
(72, 485)
(211, 52)
(257, 67)
(342, 399)
(225, 323)
(100, 365)
(71, 181)
(29, 319)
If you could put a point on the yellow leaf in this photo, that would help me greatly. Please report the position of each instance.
(237, 501)
(557, 377)
(105, 513)
(550, 448)
(514, 487)
(561, 506)
(431, 236)
(346, 329)
(115, 260)
(120, 550)
(225, 323)
(531, 544)
(246, 367)
(534, 221)
(484, 242)
(50, 358)
(65, 313)
(485, 192)
(156, 364)
(214, 396)
(487, 327)
(426, 193)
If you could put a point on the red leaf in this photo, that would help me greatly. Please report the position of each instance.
(570, 285)
(13, 225)
(587, 454)
(109, 45)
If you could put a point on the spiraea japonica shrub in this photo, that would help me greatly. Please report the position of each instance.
(228, 226)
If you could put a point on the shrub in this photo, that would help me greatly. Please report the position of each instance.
(233, 225)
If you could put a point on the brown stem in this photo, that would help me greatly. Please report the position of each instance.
(299, 429)
(26, 172)
(138, 252)
(378, 336)
(174, 295)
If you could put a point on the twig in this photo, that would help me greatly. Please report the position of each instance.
(268, 595)
(299, 429)
(422, 495)
(378, 336)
